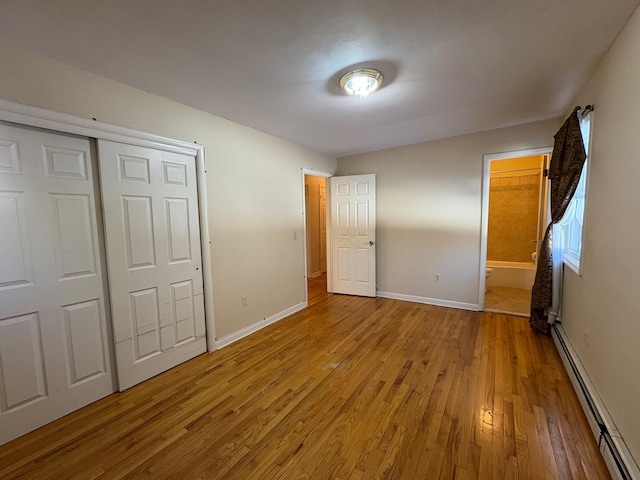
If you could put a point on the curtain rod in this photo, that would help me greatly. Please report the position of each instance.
(585, 110)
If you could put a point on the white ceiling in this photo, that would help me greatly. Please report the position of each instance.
(451, 66)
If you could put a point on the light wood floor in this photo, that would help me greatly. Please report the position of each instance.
(515, 301)
(350, 388)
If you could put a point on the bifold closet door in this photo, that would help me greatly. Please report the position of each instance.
(54, 345)
(153, 255)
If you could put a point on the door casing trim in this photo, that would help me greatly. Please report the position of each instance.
(313, 173)
(484, 228)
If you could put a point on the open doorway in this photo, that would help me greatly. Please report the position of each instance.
(315, 198)
(315, 215)
(514, 219)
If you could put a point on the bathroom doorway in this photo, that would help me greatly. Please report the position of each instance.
(514, 219)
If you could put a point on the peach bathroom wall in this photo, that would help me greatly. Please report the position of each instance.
(514, 199)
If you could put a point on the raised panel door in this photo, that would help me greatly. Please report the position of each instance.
(54, 345)
(153, 255)
(353, 257)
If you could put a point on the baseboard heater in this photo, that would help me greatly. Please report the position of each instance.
(616, 455)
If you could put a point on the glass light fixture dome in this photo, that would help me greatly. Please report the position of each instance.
(361, 82)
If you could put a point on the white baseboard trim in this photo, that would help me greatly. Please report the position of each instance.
(246, 331)
(429, 301)
(617, 456)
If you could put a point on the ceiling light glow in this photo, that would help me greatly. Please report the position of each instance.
(361, 82)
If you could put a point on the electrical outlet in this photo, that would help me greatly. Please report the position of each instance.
(244, 301)
(437, 277)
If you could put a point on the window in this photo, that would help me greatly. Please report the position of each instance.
(571, 225)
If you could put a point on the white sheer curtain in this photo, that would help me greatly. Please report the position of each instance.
(558, 272)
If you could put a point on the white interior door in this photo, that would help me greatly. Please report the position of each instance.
(154, 259)
(353, 234)
(54, 343)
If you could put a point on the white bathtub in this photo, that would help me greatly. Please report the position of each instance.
(512, 274)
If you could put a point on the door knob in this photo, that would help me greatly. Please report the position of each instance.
(371, 242)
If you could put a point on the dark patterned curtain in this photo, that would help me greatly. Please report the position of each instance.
(565, 168)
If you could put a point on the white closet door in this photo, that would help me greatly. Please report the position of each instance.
(54, 347)
(154, 259)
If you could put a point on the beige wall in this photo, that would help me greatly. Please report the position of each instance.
(429, 209)
(601, 311)
(253, 180)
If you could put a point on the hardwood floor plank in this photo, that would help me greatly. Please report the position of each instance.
(522, 438)
(349, 388)
(385, 470)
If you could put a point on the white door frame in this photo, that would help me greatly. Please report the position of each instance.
(313, 173)
(486, 171)
(61, 122)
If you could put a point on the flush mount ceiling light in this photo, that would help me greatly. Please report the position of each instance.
(361, 82)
